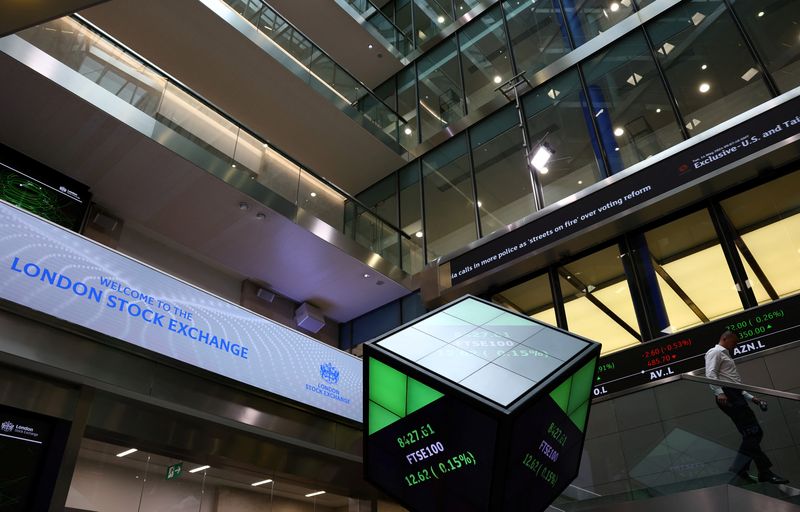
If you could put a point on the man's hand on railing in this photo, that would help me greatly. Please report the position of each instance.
(762, 404)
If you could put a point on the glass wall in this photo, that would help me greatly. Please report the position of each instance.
(449, 199)
(441, 97)
(536, 33)
(484, 58)
(413, 257)
(505, 189)
(533, 298)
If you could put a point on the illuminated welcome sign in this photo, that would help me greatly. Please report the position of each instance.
(52, 270)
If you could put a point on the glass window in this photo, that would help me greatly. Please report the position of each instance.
(559, 122)
(505, 192)
(441, 96)
(630, 106)
(407, 105)
(597, 300)
(430, 17)
(484, 58)
(449, 201)
(693, 276)
(773, 27)
(589, 18)
(533, 298)
(464, 6)
(382, 198)
(707, 64)
(767, 222)
(411, 217)
(538, 34)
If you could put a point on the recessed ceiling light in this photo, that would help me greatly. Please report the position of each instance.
(369, 46)
(704, 87)
(262, 482)
(580, 182)
(312, 494)
(418, 234)
(616, 148)
(243, 206)
(313, 194)
(201, 468)
(440, 19)
(704, 67)
(261, 215)
(619, 132)
(760, 14)
(614, 7)
(367, 276)
(480, 204)
(658, 111)
(233, 165)
(407, 131)
(497, 79)
(749, 74)
(127, 452)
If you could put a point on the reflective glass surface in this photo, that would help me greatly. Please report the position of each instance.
(411, 217)
(767, 224)
(533, 298)
(708, 66)
(449, 200)
(430, 17)
(484, 58)
(441, 98)
(597, 300)
(505, 190)
(629, 103)
(773, 27)
(538, 35)
(559, 122)
(407, 106)
(589, 18)
(694, 279)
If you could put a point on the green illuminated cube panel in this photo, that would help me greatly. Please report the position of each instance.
(485, 349)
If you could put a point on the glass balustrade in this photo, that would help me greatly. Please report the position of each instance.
(321, 68)
(109, 76)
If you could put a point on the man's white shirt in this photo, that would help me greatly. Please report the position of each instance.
(720, 366)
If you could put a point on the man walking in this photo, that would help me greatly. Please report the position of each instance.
(733, 402)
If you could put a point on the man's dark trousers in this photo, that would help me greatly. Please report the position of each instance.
(746, 423)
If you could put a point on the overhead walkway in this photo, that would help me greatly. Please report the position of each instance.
(668, 446)
(82, 60)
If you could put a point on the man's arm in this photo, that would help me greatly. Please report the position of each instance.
(713, 360)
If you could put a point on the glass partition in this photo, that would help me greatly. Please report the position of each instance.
(589, 18)
(533, 298)
(598, 300)
(441, 95)
(766, 220)
(538, 36)
(710, 71)
(411, 217)
(484, 58)
(630, 106)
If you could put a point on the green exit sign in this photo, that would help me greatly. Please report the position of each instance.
(174, 471)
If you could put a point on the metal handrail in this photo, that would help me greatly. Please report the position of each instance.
(177, 83)
(318, 47)
(691, 376)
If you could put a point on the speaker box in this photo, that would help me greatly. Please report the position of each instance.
(309, 318)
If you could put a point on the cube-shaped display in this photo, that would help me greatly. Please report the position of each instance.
(475, 408)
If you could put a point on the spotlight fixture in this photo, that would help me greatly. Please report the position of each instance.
(539, 159)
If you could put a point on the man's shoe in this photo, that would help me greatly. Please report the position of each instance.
(772, 478)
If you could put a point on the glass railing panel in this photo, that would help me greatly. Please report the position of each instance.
(197, 131)
(674, 438)
(321, 67)
(412, 254)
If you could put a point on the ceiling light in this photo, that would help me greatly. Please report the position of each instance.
(599, 112)
(541, 157)
(312, 494)
(407, 131)
(553, 93)
(418, 234)
(618, 132)
(665, 48)
(614, 7)
(704, 87)
(704, 67)
(201, 468)
(313, 194)
(243, 206)
(760, 14)
(480, 204)
(369, 46)
(616, 148)
(749, 74)
(658, 111)
(262, 482)
(233, 165)
(694, 123)
(127, 452)
(440, 19)
(544, 170)
(261, 215)
(580, 182)
(697, 18)
(497, 79)
(367, 276)
(634, 79)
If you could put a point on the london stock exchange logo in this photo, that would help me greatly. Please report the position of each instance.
(7, 426)
(329, 373)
